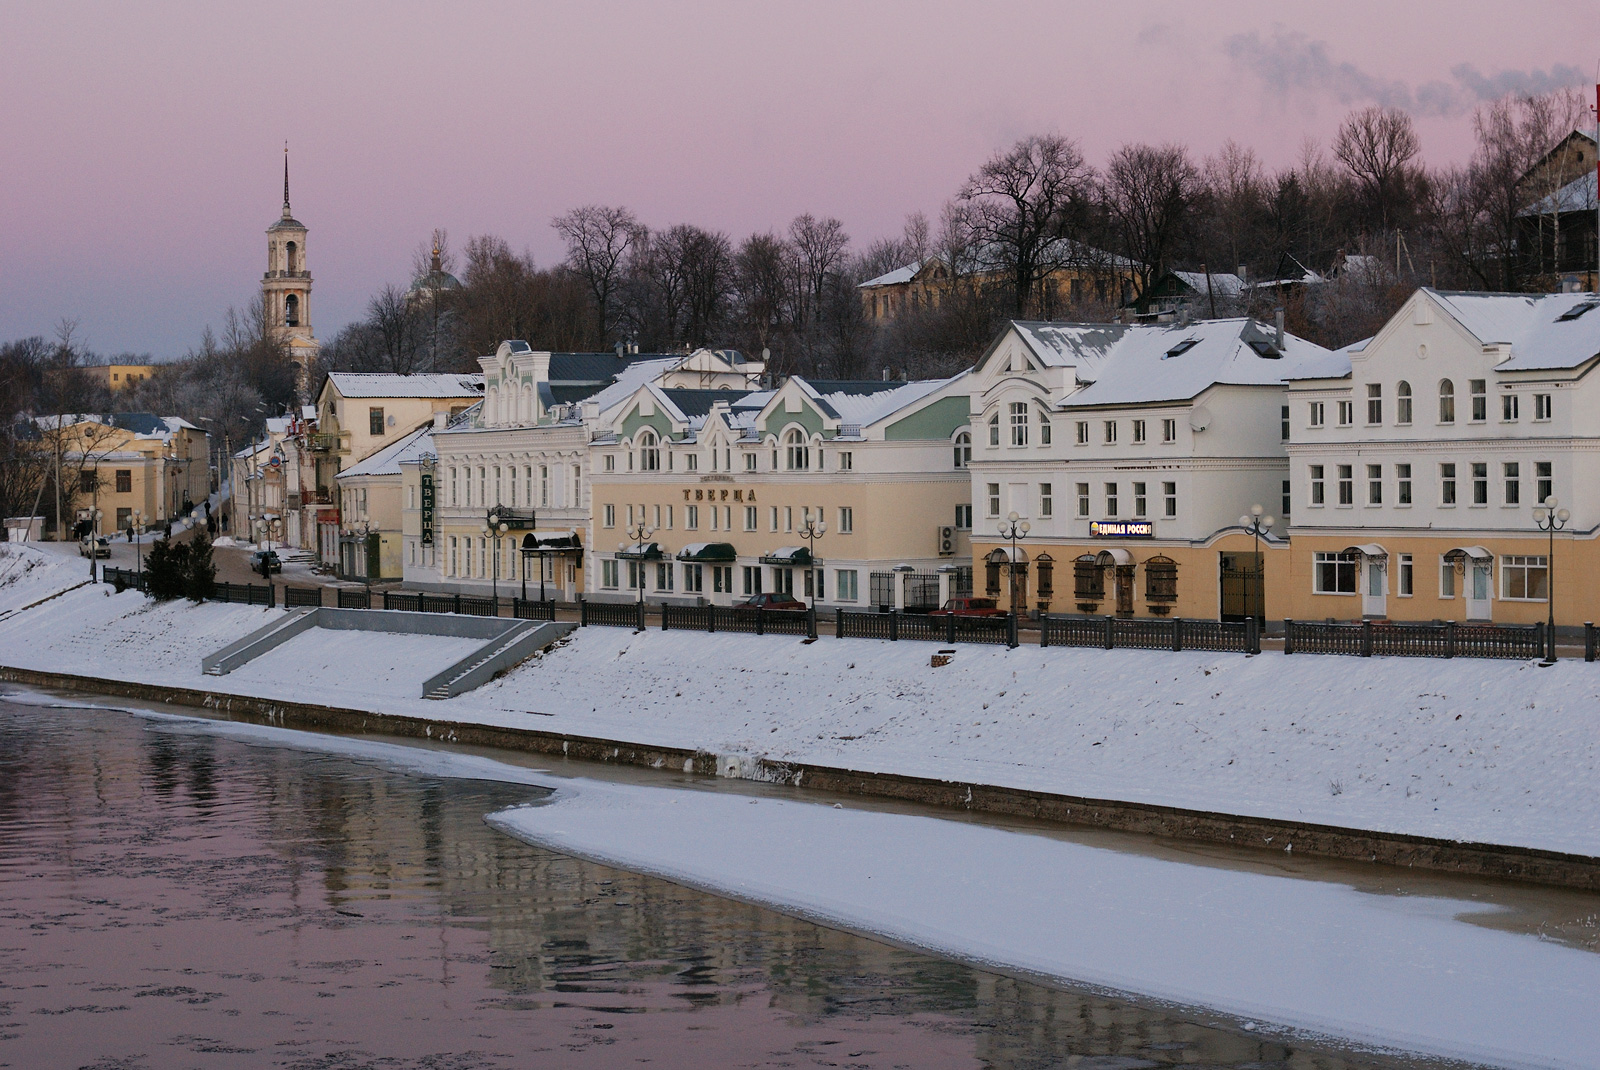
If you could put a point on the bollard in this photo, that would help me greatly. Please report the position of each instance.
(1288, 635)
(1177, 634)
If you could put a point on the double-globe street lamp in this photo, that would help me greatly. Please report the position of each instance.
(1257, 525)
(637, 534)
(1013, 529)
(1551, 518)
(811, 531)
(493, 529)
(138, 523)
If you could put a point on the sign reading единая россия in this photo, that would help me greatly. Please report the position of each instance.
(1122, 529)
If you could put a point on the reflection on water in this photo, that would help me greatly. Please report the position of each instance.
(176, 899)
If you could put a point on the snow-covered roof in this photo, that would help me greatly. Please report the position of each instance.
(390, 385)
(1226, 283)
(868, 402)
(1544, 331)
(904, 273)
(1332, 364)
(631, 378)
(1176, 361)
(1575, 196)
(387, 461)
(1068, 345)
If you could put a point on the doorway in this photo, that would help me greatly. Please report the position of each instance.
(1242, 587)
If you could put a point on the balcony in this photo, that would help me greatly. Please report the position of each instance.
(324, 441)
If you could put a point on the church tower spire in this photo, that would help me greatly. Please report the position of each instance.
(286, 288)
(286, 214)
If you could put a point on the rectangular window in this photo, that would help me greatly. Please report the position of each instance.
(1374, 484)
(1283, 424)
(124, 518)
(1318, 414)
(1541, 406)
(1044, 431)
(657, 522)
(1138, 430)
(964, 517)
(1402, 484)
(1286, 495)
(1318, 486)
(1083, 432)
(691, 462)
(1111, 431)
(1347, 484)
(1141, 502)
(1513, 474)
(1374, 403)
(1480, 399)
(994, 499)
(847, 461)
(847, 519)
(1447, 577)
(1047, 503)
(124, 480)
(1019, 423)
(994, 430)
(1447, 484)
(713, 516)
(749, 462)
(691, 517)
(1509, 407)
(375, 421)
(1170, 492)
(1447, 402)
(611, 462)
(664, 575)
(774, 518)
(844, 585)
(610, 515)
(1480, 483)
(1169, 430)
(577, 487)
(694, 578)
(722, 579)
(1111, 499)
(87, 481)
(1083, 499)
(1546, 485)
(1524, 578)
(749, 518)
(1333, 573)
(1347, 413)
(452, 482)
(752, 579)
(1405, 586)
(635, 575)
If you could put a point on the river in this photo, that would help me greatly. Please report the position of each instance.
(173, 898)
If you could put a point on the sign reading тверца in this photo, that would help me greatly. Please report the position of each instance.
(427, 508)
(1122, 529)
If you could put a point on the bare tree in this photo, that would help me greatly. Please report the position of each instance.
(818, 246)
(760, 284)
(598, 240)
(1149, 191)
(1023, 211)
(1377, 146)
(708, 274)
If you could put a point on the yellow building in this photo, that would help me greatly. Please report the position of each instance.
(1088, 277)
(116, 377)
(371, 493)
(129, 467)
(708, 494)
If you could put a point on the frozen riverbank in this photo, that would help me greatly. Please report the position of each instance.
(1497, 752)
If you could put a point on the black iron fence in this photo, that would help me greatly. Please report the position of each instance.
(296, 597)
(533, 609)
(408, 601)
(611, 614)
(1440, 639)
(123, 579)
(355, 598)
(934, 627)
(747, 621)
(477, 607)
(248, 594)
(1151, 633)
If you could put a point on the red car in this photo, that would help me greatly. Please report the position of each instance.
(772, 601)
(967, 606)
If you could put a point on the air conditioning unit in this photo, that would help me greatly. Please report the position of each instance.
(947, 541)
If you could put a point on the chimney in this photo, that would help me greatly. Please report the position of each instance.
(621, 348)
(439, 420)
(1244, 272)
(1277, 316)
(886, 375)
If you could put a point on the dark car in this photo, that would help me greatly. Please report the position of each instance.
(772, 601)
(967, 606)
(265, 562)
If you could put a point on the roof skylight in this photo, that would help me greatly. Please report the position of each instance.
(1576, 310)
(1182, 347)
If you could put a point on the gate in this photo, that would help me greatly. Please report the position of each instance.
(1242, 587)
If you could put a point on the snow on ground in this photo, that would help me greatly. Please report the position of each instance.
(1502, 752)
(392, 669)
(28, 574)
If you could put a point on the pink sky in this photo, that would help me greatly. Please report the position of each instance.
(143, 143)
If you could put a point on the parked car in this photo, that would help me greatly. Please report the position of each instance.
(265, 562)
(968, 606)
(772, 601)
(94, 546)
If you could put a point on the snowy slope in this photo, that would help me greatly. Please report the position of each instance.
(28, 574)
(1502, 752)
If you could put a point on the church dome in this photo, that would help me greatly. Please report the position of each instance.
(436, 278)
(288, 222)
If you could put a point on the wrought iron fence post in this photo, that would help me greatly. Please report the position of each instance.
(457, 608)
(1111, 637)
(1011, 631)
(1588, 640)
(1288, 635)
(1542, 641)
(1177, 633)
(838, 623)
(666, 611)
(1252, 635)
(950, 629)
(583, 612)
(1366, 638)
(811, 622)
(640, 605)
(711, 618)
(894, 627)
(272, 596)
(1449, 638)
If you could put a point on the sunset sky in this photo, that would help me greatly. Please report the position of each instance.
(143, 143)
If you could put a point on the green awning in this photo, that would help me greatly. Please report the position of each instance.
(797, 556)
(641, 551)
(708, 551)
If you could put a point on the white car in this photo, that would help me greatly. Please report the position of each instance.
(92, 546)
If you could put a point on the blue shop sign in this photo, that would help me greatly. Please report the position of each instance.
(1122, 529)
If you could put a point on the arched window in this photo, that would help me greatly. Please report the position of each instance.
(1044, 577)
(1447, 402)
(288, 258)
(799, 454)
(1402, 402)
(1088, 583)
(963, 449)
(291, 310)
(994, 430)
(649, 451)
(1160, 584)
(1044, 430)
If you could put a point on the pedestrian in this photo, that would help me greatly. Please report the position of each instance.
(211, 526)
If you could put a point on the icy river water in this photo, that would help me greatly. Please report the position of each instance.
(172, 898)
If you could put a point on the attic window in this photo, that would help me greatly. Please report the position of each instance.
(1182, 347)
(1264, 350)
(1576, 310)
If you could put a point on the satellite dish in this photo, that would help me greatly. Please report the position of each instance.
(1200, 418)
(390, 421)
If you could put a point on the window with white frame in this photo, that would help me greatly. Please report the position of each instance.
(691, 517)
(1545, 485)
(1402, 402)
(649, 451)
(1447, 577)
(1347, 484)
(963, 451)
(1111, 432)
(1169, 430)
(1111, 499)
(1374, 484)
(1447, 402)
(1169, 491)
(611, 462)
(610, 513)
(798, 452)
(1347, 413)
(994, 498)
(847, 519)
(749, 462)
(1480, 483)
(1019, 423)
(1479, 389)
(1286, 496)
(1333, 573)
(1317, 413)
(693, 579)
(844, 585)
(1140, 500)
(691, 462)
(1138, 430)
(1402, 484)
(1044, 430)
(1541, 406)
(1083, 432)
(994, 430)
(1524, 578)
(1047, 502)
(1318, 485)
(1405, 576)
(1083, 499)
(608, 573)
(964, 517)
(1447, 484)
(1374, 403)
(1512, 471)
(749, 518)
(1510, 407)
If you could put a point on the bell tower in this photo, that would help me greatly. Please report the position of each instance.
(286, 288)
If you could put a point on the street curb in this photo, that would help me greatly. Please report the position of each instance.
(1523, 864)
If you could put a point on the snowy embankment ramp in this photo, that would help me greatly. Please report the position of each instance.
(29, 576)
(1487, 751)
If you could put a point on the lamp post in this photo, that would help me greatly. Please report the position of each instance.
(94, 541)
(1013, 529)
(1549, 517)
(1257, 525)
(638, 533)
(492, 530)
(811, 531)
(138, 522)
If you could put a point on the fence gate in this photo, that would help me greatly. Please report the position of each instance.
(1243, 588)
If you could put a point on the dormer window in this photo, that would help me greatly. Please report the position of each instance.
(1182, 347)
(798, 453)
(649, 451)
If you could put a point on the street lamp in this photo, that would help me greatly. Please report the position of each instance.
(138, 522)
(492, 531)
(638, 533)
(1013, 528)
(811, 531)
(1549, 518)
(1257, 525)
